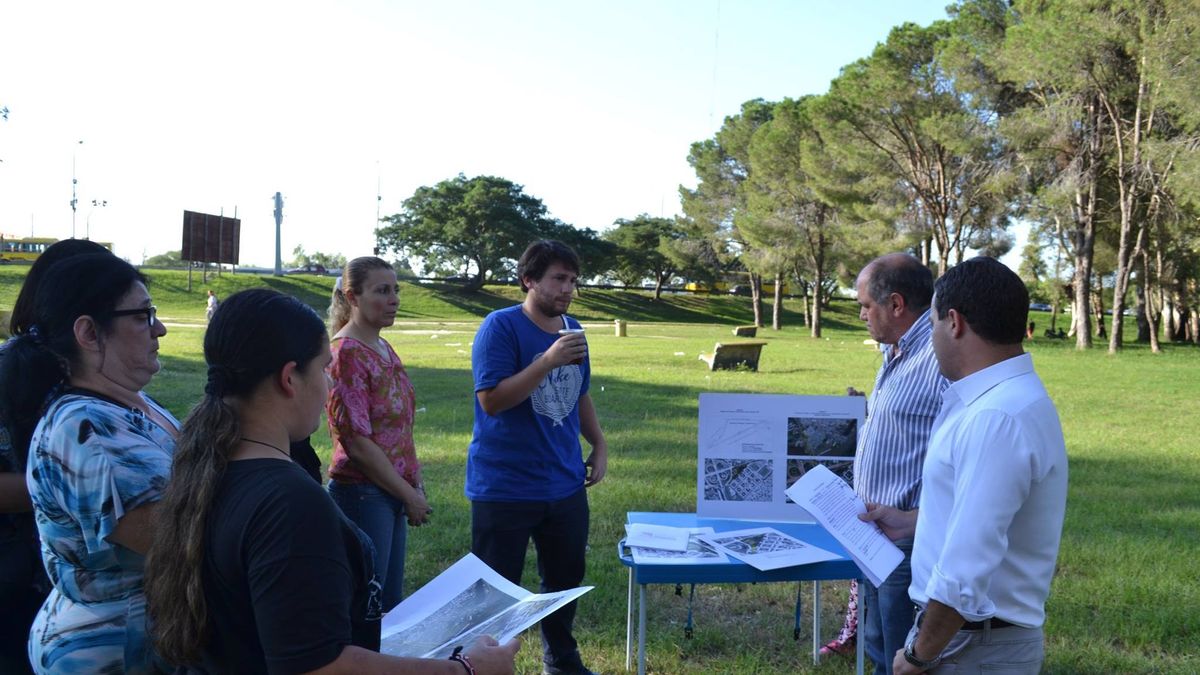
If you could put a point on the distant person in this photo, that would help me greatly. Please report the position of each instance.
(994, 490)
(98, 459)
(893, 295)
(23, 581)
(257, 569)
(526, 476)
(212, 305)
(374, 474)
(1029, 331)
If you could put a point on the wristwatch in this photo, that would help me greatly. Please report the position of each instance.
(911, 657)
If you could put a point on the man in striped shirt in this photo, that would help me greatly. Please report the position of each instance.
(894, 293)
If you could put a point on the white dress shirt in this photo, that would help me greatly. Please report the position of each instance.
(993, 498)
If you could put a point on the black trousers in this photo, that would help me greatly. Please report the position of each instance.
(500, 533)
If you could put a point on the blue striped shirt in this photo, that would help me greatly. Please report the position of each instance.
(900, 415)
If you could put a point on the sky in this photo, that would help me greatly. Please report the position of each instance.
(347, 108)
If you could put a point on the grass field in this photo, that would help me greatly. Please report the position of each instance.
(1126, 596)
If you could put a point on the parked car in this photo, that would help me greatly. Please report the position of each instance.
(1039, 306)
(311, 268)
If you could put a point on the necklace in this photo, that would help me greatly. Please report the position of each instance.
(273, 447)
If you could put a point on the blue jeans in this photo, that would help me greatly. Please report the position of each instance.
(500, 533)
(381, 517)
(889, 611)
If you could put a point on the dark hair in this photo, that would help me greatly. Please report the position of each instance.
(42, 356)
(540, 255)
(991, 298)
(354, 276)
(256, 333)
(22, 312)
(901, 273)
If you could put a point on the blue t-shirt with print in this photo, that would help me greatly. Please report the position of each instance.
(531, 451)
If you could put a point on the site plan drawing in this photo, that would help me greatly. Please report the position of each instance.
(766, 548)
(753, 446)
(466, 601)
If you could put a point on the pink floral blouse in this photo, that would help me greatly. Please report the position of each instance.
(371, 396)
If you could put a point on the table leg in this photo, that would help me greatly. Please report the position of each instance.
(629, 624)
(641, 629)
(858, 646)
(816, 625)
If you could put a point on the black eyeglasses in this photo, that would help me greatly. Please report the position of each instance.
(150, 312)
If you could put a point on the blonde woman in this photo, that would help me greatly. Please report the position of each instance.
(374, 474)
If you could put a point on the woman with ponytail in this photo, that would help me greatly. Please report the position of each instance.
(98, 458)
(374, 474)
(257, 569)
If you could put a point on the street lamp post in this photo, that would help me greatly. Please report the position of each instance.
(74, 184)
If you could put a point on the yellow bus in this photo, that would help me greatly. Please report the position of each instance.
(23, 248)
(28, 249)
(736, 283)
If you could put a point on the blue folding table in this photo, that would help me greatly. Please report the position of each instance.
(734, 571)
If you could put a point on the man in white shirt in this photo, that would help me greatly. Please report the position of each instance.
(994, 487)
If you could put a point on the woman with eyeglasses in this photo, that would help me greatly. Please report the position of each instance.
(99, 459)
(23, 582)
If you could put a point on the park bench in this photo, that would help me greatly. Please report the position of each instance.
(733, 355)
(745, 331)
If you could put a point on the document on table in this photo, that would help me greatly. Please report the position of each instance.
(836, 507)
(698, 552)
(645, 535)
(766, 548)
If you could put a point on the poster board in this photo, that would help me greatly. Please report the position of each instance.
(752, 447)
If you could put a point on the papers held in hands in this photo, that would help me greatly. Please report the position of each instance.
(836, 507)
(466, 601)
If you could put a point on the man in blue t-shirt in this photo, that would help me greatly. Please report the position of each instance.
(526, 476)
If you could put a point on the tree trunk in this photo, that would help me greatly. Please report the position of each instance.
(818, 300)
(658, 284)
(1151, 313)
(756, 298)
(474, 283)
(1141, 311)
(804, 299)
(1098, 306)
(777, 306)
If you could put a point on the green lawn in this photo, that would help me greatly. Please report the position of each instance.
(1127, 592)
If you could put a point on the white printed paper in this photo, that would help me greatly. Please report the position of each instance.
(836, 507)
(646, 535)
(466, 601)
(753, 446)
(698, 552)
(766, 548)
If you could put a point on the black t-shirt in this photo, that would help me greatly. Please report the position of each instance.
(287, 579)
(305, 455)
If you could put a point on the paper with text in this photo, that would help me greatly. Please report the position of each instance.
(663, 537)
(836, 507)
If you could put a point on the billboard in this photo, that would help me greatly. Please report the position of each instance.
(211, 239)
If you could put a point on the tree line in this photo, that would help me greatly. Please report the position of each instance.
(1076, 117)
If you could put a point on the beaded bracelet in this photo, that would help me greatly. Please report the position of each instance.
(462, 658)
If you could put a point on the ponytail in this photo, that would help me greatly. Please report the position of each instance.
(174, 582)
(254, 335)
